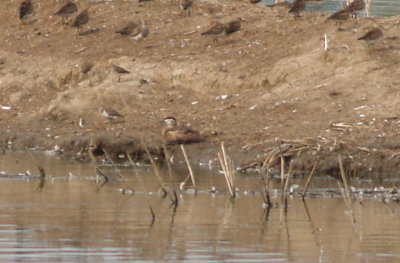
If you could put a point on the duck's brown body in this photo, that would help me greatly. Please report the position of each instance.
(175, 134)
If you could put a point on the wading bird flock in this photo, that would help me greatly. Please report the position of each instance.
(138, 30)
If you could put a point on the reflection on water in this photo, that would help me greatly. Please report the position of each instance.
(72, 220)
(380, 8)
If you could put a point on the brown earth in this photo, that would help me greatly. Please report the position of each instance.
(270, 84)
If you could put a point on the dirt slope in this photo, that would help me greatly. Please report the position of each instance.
(270, 83)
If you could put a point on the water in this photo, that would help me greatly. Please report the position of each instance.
(380, 8)
(72, 219)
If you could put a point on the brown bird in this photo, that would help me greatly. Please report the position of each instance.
(25, 9)
(81, 19)
(297, 7)
(372, 36)
(340, 15)
(355, 7)
(120, 70)
(185, 5)
(281, 4)
(141, 31)
(175, 134)
(233, 26)
(67, 10)
(128, 29)
(255, 1)
(216, 30)
(110, 114)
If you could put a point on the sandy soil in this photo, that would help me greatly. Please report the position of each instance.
(268, 89)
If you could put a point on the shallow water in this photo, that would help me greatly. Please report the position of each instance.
(380, 8)
(72, 219)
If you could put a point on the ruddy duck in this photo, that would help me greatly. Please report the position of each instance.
(175, 134)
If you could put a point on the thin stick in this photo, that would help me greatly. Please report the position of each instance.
(284, 193)
(326, 42)
(42, 177)
(231, 192)
(264, 179)
(228, 170)
(167, 156)
(310, 176)
(229, 167)
(156, 172)
(175, 196)
(282, 163)
(347, 204)
(282, 171)
(188, 165)
(342, 173)
(141, 185)
(111, 161)
(97, 168)
(104, 175)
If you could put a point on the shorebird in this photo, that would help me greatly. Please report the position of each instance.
(175, 134)
(185, 5)
(81, 19)
(141, 31)
(233, 26)
(25, 10)
(67, 10)
(340, 15)
(297, 7)
(216, 30)
(128, 29)
(110, 114)
(355, 7)
(120, 70)
(372, 36)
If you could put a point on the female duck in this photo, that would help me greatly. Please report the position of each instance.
(175, 134)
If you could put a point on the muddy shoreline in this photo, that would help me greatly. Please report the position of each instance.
(268, 90)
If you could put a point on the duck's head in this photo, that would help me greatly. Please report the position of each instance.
(170, 122)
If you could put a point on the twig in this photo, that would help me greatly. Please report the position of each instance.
(284, 193)
(226, 169)
(342, 173)
(156, 172)
(42, 177)
(189, 33)
(310, 177)
(347, 203)
(265, 181)
(97, 168)
(141, 185)
(106, 179)
(228, 165)
(80, 50)
(175, 200)
(189, 167)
